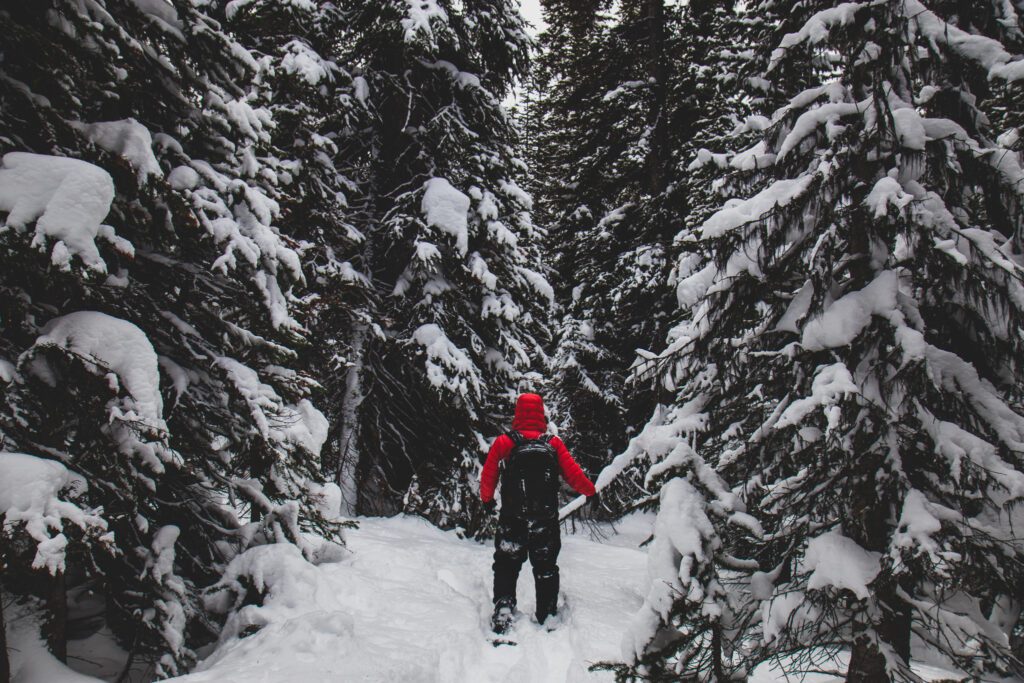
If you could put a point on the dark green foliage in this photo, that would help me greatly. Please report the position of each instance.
(852, 348)
(205, 274)
(458, 320)
(626, 96)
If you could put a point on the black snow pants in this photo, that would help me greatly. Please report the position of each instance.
(518, 537)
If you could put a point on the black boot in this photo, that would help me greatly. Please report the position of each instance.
(504, 615)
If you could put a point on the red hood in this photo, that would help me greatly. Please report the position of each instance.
(530, 414)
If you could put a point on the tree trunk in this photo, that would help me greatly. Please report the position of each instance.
(716, 651)
(5, 661)
(127, 670)
(868, 525)
(348, 447)
(656, 116)
(867, 663)
(57, 622)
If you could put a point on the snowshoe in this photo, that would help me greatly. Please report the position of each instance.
(501, 623)
(498, 642)
(504, 615)
(555, 621)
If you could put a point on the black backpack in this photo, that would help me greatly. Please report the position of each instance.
(529, 478)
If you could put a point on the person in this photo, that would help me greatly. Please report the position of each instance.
(529, 461)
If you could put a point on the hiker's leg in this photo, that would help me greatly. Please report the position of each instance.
(509, 555)
(545, 542)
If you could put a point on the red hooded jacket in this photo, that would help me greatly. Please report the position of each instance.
(531, 423)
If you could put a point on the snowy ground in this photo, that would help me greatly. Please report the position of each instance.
(412, 604)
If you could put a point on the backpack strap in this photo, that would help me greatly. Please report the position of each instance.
(516, 437)
(547, 438)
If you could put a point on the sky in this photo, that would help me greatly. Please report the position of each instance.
(531, 10)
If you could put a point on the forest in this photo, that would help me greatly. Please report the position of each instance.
(274, 272)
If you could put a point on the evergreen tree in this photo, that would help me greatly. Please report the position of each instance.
(450, 250)
(149, 307)
(320, 113)
(846, 441)
(620, 110)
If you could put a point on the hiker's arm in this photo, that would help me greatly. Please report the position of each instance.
(489, 476)
(571, 470)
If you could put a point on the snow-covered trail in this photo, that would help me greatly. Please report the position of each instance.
(412, 603)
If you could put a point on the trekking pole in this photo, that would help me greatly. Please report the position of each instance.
(571, 507)
(607, 475)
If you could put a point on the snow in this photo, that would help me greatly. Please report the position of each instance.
(919, 521)
(956, 444)
(461, 79)
(785, 670)
(910, 128)
(517, 194)
(361, 89)
(121, 352)
(885, 193)
(756, 157)
(419, 16)
(7, 371)
(309, 428)
(850, 314)
(300, 425)
(412, 602)
(31, 661)
(695, 279)
(1008, 139)
(797, 309)
(831, 383)
(117, 346)
(823, 115)
(302, 60)
(816, 29)
(681, 531)
(782, 612)
(986, 52)
(447, 209)
(240, 218)
(30, 494)
(183, 178)
(448, 366)
(162, 13)
(837, 561)
(661, 439)
(67, 198)
(622, 88)
(127, 138)
(738, 213)
(328, 498)
(537, 282)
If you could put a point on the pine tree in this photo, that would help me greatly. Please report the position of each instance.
(450, 250)
(849, 365)
(622, 104)
(320, 112)
(149, 305)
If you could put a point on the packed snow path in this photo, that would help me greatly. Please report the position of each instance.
(412, 603)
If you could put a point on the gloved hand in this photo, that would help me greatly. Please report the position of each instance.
(489, 506)
(595, 499)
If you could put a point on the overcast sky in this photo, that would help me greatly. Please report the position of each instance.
(531, 10)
